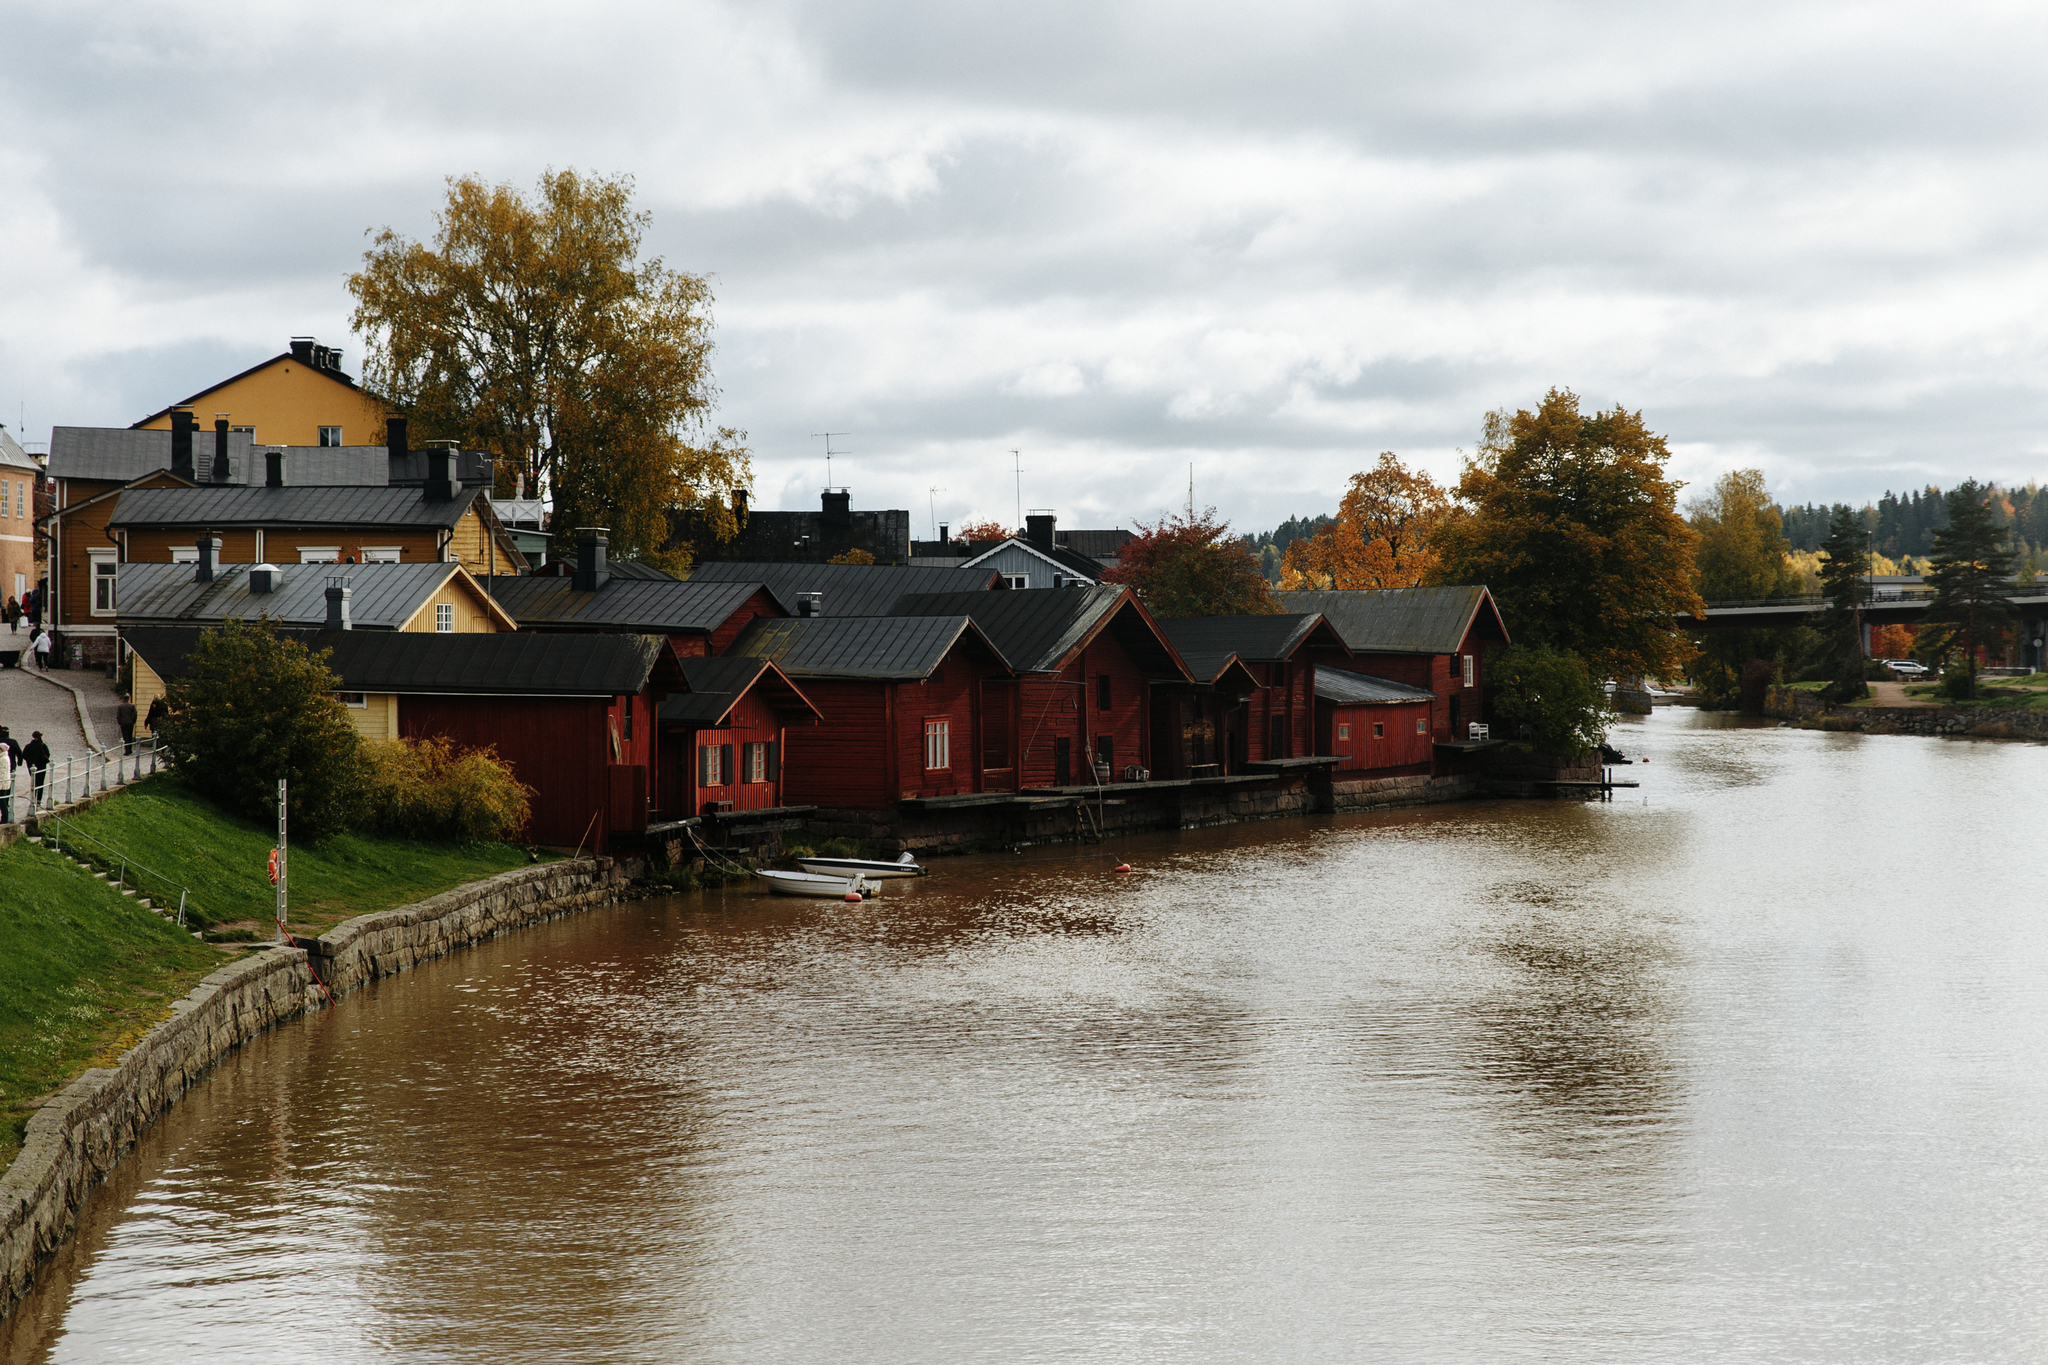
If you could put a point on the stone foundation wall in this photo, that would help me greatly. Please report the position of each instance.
(1813, 713)
(77, 1138)
(1386, 792)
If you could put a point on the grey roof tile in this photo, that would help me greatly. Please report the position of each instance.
(119, 454)
(849, 589)
(853, 646)
(1402, 620)
(381, 596)
(220, 508)
(1207, 642)
(1360, 689)
(1035, 630)
(664, 605)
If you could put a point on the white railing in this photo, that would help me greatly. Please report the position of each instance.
(83, 775)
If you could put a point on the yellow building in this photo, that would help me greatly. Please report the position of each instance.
(300, 398)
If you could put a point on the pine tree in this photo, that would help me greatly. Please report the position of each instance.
(1972, 569)
(1844, 584)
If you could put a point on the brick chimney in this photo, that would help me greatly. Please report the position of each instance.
(221, 472)
(209, 552)
(337, 604)
(273, 469)
(440, 476)
(183, 424)
(1038, 529)
(591, 544)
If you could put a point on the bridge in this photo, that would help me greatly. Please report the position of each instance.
(1887, 606)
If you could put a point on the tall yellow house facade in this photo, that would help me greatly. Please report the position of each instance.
(300, 398)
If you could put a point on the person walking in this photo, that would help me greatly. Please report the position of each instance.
(36, 755)
(13, 614)
(159, 712)
(43, 650)
(6, 785)
(124, 716)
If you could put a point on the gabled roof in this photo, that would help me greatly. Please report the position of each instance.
(1360, 689)
(855, 647)
(221, 508)
(717, 685)
(13, 456)
(1096, 545)
(663, 605)
(336, 375)
(1404, 620)
(382, 597)
(1037, 631)
(1206, 641)
(335, 466)
(850, 589)
(426, 664)
(119, 454)
(1066, 561)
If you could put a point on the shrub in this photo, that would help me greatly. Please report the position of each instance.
(1548, 697)
(1958, 685)
(429, 789)
(252, 706)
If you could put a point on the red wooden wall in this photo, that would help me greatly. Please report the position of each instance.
(556, 745)
(1398, 748)
(843, 760)
(1054, 707)
(752, 721)
(759, 605)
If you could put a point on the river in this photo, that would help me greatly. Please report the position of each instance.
(1746, 1064)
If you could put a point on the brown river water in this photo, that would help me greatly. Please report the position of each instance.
(1747, 1065)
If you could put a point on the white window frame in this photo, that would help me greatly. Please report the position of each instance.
(381, 554)
(1017, 580)
(325, 432)
(21, 497)
(1468, 669)
(444, 622)
(4, 496)
(354, 701)
(109, 577)
(756, 762)
(1343, 732)
(938, 744)
(319, 554)
(1421, 725)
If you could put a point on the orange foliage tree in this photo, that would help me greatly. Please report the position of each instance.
(982, 530)
(1381, 537)
(1192, 566)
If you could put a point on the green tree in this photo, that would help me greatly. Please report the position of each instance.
(1971, 574)
(1549, 697)
(1743, 555)
(534, 329)
(1193, 566)
(1575, 529)
(251, 707)
(1845, 583)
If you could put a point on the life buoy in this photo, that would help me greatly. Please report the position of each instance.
(273, 867)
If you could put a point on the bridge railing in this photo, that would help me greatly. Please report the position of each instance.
(1814, 599)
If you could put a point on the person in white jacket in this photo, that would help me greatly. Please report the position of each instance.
(6, 786)
(42, 648)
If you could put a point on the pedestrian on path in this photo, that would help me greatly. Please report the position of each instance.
(37, 755)
(124, 716)
(13, 614)
(159, 712)
(6, 786)
(43, 651)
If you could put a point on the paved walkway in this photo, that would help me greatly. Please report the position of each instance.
(1894, 694)
(29, 703)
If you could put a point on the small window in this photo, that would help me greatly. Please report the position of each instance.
(319, 554)
(354, 701)
(444, 624)
(1343, 732)
(1379, 729)
(380, 554)
(938, 744)
(330, 436)
(4, 503)
(249, 432)
(1421, 726)
(757, 762)
(1468, 669)
(1102, 691)
(20, 499)
(713, 764)
(104, 572)
(1017, 580)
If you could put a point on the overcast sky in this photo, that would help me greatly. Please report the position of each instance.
(1266, 240)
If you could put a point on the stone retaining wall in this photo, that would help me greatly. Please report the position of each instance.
(77, 1138)
(1813, 713)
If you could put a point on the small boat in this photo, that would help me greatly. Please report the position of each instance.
(811, 884)
(873, 870)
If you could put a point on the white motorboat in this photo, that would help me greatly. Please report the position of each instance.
(872, 869)
(812, 884)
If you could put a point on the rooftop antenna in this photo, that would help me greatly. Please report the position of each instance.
(830, 452)
(935, 510)
(1191, 492)
(1017, 460)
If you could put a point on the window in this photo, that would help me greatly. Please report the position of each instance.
(249, 432)
(1343, 732)
(355, 701)
(1421, 725)
(1379, 729)
(1102, 691)
(3, 495)
(104, 570)
(330, 436)
(714, 765)
(1468, 669)
(444, 624)
(20, 499)
(1017, 580)
(319, 554)
(184, 554)
(938, 744)
(380, 554)
(757, 763)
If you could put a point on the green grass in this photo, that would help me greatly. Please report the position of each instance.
(2031, 698)
(84, 972)
(186, 839)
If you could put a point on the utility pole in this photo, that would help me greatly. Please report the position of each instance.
(935, 491)
(1191, 492)
(829, 451)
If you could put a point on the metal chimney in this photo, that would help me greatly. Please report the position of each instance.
(221, 472)
(810, 604)
(273, 469)
(337, 604)
(265, 578)
(1038, 529)
(838, 507)
(591, 544)
(183, 423)
(209, 550)
(440, 476)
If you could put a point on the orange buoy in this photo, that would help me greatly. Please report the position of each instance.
(1123, 867)
(852, 898)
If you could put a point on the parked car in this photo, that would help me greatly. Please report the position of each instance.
(1908, 668)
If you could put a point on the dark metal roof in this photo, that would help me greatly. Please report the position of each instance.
(381, 596)
(850, 589)
(511, 664)
(329, 466)
(856, 647)
(1207, 642)
(1058, 556)
(1403, 620)
(119, 454)
(1360, 689)
(716, 686)
(661, 604)
(631, 569)
(1034, 630)
(1097, 545)
(218, 508)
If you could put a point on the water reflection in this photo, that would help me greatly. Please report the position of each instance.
(1709, 1071)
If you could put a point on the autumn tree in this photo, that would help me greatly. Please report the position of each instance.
(982, 530)
(1971, 576)
(534, 329)
(1381, 535)
(1192, 566)
(1576, 530)
(1743, 556)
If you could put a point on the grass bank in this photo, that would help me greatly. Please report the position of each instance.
(85, 971)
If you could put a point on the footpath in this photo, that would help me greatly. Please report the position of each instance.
(74, 708)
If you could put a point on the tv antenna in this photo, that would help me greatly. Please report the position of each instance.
(829, 451)
(1017, 461)
(935, 510)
